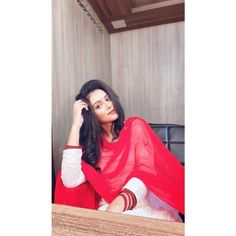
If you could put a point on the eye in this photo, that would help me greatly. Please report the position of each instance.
(107, 98)
(98, 106)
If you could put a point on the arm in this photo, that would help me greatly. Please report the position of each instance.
(77, 122)
(136, 186)
(72, 174)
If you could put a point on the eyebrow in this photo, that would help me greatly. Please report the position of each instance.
(100, 99)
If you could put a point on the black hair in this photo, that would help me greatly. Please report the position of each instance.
(91, 130)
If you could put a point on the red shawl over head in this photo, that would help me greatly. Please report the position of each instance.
(138, 153)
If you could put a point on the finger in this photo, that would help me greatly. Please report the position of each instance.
(80, 107)
(80, 103)
(84, 106)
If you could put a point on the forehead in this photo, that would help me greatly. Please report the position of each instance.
(96, 95)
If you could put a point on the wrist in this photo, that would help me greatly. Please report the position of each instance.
(73, 139)
(129, 199)
(75, 127)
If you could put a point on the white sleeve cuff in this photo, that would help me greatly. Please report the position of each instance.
(71, 172)
(137, 187)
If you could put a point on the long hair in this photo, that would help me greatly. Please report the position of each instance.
(91, 130)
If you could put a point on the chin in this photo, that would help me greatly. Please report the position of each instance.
(111, 118)
(115, 117)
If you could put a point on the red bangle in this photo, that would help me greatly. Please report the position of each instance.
(130, 200)
(132, 196)
(125, 200)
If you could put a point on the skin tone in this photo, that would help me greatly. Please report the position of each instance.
(77, 121)
(106, 114)
(104, 111)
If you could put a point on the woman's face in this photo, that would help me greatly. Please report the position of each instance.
(102, 106)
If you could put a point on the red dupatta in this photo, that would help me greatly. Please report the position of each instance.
(137, 153)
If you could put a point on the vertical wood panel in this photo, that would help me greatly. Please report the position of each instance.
(147, 68)
(80, 53)
(148, 72)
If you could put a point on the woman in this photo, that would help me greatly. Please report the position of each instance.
(116, 165)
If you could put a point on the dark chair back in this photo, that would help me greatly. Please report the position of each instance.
(173, 137)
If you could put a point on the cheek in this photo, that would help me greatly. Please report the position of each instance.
(100, 114)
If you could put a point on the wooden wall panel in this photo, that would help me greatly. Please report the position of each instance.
(79, 53)
(148, 72)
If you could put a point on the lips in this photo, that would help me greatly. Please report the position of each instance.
(111, 112)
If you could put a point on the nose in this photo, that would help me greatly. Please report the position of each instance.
(109, 104)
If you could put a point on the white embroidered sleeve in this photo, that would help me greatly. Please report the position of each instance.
(137, 187)
(71, 172)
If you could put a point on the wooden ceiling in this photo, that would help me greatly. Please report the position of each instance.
(122, 15)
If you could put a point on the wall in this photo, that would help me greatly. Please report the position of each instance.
(79, 53)
(148, 72)
(145, 67)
